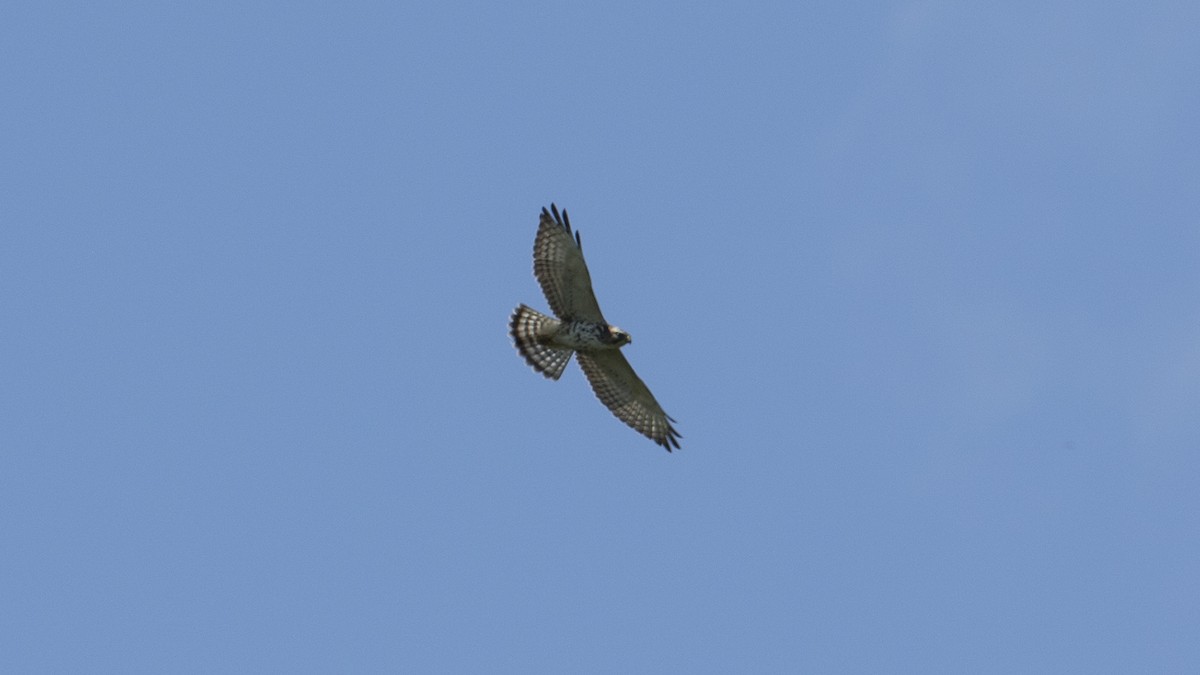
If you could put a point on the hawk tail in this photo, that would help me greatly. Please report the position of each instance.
(525, 327)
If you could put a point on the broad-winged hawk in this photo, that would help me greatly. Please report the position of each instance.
(547, 342)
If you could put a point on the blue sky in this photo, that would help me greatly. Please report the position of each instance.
(919, 281)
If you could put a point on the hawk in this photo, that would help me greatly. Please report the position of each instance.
(578, 327)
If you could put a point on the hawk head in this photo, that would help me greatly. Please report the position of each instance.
(618, 337)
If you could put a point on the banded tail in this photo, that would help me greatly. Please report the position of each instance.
(525, 328)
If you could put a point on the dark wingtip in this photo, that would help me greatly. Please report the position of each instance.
(670, 438)
(561, 219)
(673, 436)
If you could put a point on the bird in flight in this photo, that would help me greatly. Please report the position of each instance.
(578, 327)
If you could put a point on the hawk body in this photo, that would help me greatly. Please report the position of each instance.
(578, 327)
(588, 336)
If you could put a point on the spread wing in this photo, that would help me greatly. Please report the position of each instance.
(619, 388)
(559, 267)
